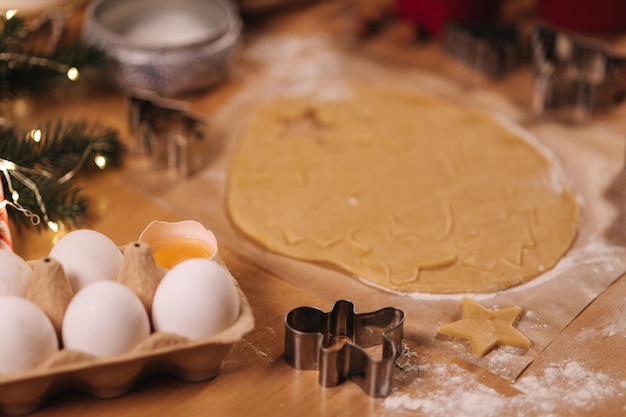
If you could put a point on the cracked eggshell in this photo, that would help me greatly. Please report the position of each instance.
(87, 256)
(196, 299)
(14, 274)
(174, 242)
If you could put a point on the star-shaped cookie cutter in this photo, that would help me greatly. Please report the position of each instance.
(334, 343)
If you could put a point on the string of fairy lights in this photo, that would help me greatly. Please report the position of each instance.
(71, 72)
(13, 172)
(9, 169)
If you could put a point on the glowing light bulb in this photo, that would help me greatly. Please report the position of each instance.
(15, 196)
(6, 165)
(73, 74)
(35, 135)
(54, 226)
(100, 161)
(9, 14)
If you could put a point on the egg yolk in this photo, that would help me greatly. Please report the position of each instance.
(172, 250)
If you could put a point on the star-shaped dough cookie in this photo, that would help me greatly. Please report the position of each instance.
(486, 329)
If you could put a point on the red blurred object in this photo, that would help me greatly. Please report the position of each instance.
(584, 15)
(432, 15)
(5, 233)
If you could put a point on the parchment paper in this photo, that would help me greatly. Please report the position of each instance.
(591, 156)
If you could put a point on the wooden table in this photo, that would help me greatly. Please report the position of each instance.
(255, 380)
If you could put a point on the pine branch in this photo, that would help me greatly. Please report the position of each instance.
(12, 33)
(65, 204)
(53, 154)
(65, 150)
(80, 55)
(23, 72)
(62, 145)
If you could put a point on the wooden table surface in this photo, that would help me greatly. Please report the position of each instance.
(255, 380)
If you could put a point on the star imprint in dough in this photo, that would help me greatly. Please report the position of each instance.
(486, 329)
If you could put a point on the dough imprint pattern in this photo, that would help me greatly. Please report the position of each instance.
(402, 190)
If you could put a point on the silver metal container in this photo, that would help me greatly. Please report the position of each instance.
(168, 47)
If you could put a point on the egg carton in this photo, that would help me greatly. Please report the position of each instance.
(107, 377)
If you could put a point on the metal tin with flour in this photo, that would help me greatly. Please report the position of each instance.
(166, 47)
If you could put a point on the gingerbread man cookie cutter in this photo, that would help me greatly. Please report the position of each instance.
(335, 343)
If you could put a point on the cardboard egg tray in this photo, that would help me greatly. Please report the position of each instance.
(106, 377)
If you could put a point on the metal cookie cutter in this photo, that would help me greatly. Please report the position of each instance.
(575, 71)
(494, 50)
(175, 138)
(334, 343)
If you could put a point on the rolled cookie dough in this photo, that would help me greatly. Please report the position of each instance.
(402, 190)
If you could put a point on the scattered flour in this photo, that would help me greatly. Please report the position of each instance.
(483, 402)
(615, 324)
(566, 386)
(501, 358)
(609, 325)
(310, 65)
(461, 396)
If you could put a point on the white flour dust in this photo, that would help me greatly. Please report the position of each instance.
(308, 65)
(567, 386)
(615, 324)
(612, 324)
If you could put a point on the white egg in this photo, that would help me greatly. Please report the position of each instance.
(87, 256)
(14, 274)
(27, 335)
(197, 298)
(104, 319)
